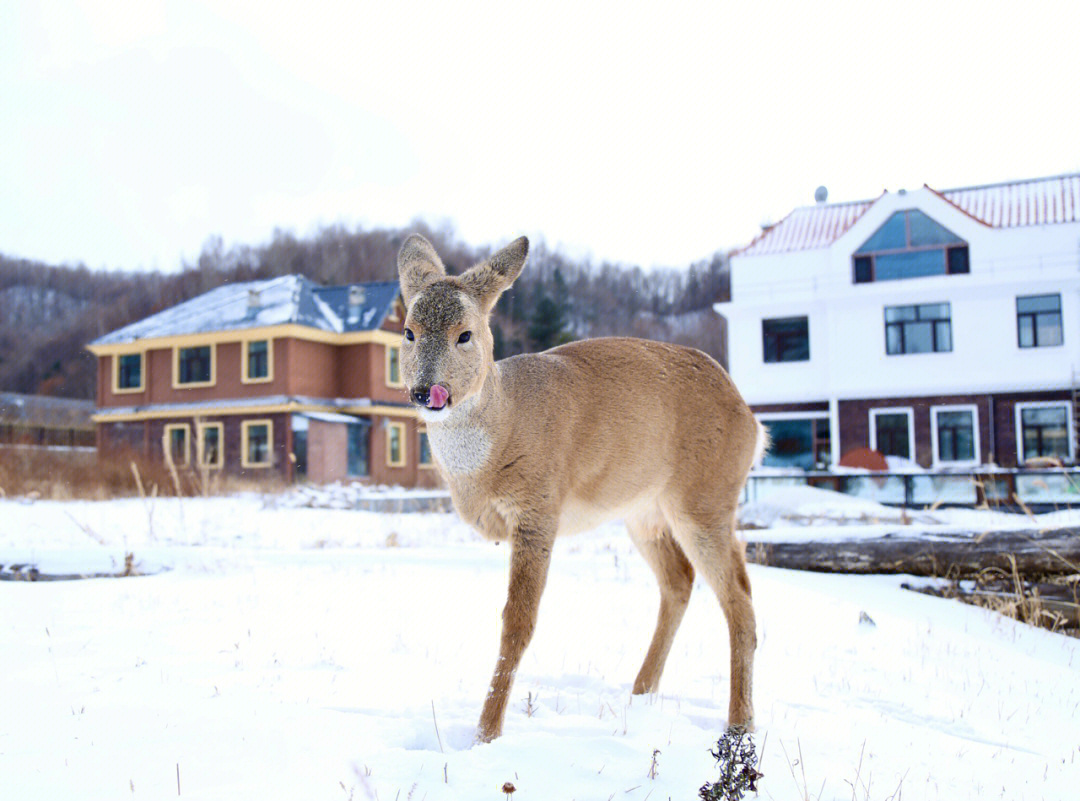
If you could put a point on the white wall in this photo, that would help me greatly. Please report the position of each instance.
(846, 321)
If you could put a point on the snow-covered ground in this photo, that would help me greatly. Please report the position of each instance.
(282, 651)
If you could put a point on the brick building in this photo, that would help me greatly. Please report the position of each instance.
(279, 378)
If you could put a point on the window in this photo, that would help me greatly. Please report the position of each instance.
(194, 366)
(357, 448)
(918, 329)
(787, 339)
(1044, 430)
(256, 443)
(393, 366)
(1038, 321)
(955, 434)
(395, 445)
(176, 444)
(257, 364)
(128, 372)
(425, 450)
(892, 432)
(209, 445)
(299, 445)
(909, 245)
(798, 441)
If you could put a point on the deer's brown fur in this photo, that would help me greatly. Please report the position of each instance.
(541, 445)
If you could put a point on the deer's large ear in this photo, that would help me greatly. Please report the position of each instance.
(418, 265)
(491, 278)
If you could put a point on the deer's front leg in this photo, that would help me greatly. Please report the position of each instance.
(530, 556)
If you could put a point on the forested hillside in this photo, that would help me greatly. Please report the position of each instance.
(48, 313)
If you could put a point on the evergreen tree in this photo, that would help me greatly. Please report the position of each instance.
(546, 324)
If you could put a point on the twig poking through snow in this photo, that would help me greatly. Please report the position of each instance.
(433, 720)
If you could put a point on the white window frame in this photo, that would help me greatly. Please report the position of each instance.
(905, 410)
(955, 407)
(1069, 426)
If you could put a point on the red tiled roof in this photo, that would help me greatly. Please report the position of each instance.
(807, 228)
(1037, 201)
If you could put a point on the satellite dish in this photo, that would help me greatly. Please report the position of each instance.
(821, 194)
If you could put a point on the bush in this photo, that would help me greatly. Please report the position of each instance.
(735, 755)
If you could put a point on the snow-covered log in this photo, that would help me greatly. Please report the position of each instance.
(953, 554)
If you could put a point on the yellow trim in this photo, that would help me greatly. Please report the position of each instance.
(402, 445)
(428, 465)
(201, 429)
(387, 351)
(245, 427)
(244, 356)
(286, 330)
(280, 408)
(169, 428)
(116, 373)
(193, 384)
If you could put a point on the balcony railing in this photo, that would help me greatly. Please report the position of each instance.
(1037, 490)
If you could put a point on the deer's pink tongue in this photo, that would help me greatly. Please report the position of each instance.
(437, 397)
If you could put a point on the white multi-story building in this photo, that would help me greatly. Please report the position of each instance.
(940, 326)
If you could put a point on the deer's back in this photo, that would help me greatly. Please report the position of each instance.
(614, 422)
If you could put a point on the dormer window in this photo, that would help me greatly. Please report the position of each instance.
(909, 245)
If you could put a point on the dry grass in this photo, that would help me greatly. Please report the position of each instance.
(38, 473)
(1050, 602)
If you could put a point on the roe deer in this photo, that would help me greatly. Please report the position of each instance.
(540, 445)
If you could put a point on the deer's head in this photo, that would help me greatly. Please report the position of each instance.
(447, 350)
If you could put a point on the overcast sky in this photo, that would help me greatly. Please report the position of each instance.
(133, 130)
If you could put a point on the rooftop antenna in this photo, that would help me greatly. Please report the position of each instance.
(821, 194)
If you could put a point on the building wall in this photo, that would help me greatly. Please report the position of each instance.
(363, 374)
(849, 369)
(158, 377)
(312, 369)
(328, 448)
(133, 436)
(848, 353)
(855, 422)
(146, 437)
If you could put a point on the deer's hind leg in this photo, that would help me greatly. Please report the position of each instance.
(652, 536)
(707, 536)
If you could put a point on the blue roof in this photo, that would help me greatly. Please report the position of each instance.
(275, 301)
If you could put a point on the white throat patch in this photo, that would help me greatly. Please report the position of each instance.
(458, 441)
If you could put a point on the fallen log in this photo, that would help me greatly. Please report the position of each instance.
(1055, 602)
(953, 554)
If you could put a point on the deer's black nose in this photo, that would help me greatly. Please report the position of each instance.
(420, 395)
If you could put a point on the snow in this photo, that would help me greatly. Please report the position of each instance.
(335, 322)
(284, 649)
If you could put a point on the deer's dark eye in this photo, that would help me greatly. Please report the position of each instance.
(409, 335)
(465, 337)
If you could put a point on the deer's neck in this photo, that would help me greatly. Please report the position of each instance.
(466, 438)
